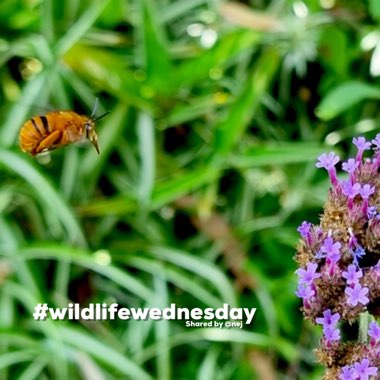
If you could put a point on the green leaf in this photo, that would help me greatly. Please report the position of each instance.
(82, 25)
(177, 8)
(45, 191)
(146, 143)
(48, 328)
(156, 60)
(282, 154)
(12, 358)
(179, 278)
(344, 97)
(229, 46)
(207, 369)
(110, 73)
(374, 9)
(216, 335)
(199, 106)
(241, 111)
(33, 371)
(164, 192)
(81, 258)
(35, 89)
(182, 184)
(199, 267)
(335, 51)
(102, 352)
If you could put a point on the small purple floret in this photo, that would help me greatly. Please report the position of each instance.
(352, 275)
(362, 145)
(357, 254)
(363, 370)
(308, 275)
(329, 247)
(328, 161)
(305, 292)
(331, 334)
(374, 333)
(328, 319)
(304, 229)
(348, 373)
(376, 142)
(350, 191)
(357, 294)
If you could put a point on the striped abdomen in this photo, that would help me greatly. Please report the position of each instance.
(51, 131)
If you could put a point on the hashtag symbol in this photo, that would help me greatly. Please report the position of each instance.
(40, 311)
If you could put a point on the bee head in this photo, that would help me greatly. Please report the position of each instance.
(90, 126)
(91, 134)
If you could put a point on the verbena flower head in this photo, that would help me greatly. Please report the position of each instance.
(339, 264)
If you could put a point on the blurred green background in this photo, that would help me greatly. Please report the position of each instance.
(218, 112)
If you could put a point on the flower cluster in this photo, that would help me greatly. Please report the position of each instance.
(339, 264)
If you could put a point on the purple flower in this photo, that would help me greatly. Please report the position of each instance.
(362, 145)
(348, 373)
(328, 319)
(376, 142)
(331, 334)
(363, 370)
(328, 161)
(357, 294)
(331, 248)
(308, 275)
(305, 292)
(350, 166)
(350, 191)
(352, 275)
(371, 212)
(357, 254)
(304, 229)
(374, 333)
(366, 190)
(332, 259)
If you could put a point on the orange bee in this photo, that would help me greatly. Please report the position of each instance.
(56, 129)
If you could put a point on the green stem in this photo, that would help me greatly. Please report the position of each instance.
(364, 321)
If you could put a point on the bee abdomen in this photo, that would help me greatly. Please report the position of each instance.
(33, 132)
(41, 125)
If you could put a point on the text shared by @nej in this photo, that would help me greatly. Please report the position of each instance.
(224, 316)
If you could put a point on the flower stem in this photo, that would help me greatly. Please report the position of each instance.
(364, 321)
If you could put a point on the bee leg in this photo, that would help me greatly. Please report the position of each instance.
(48, 142)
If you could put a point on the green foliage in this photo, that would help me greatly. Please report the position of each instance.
(206, 168)
(342, 98)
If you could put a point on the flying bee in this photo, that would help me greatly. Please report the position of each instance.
(56, 129)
